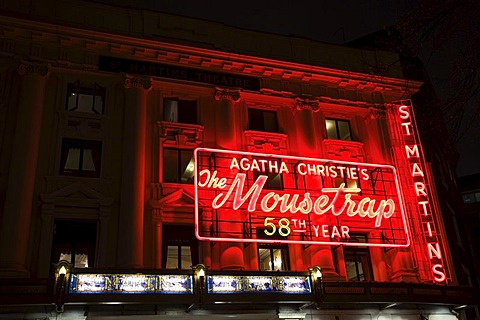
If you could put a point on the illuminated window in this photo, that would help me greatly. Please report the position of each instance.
(262, 120)
(74, 241)
(471, 197)
(81, 158)
(178, 165)
(272, 257)
(180, 247)
(338, 129)
(182, 111)
(357, 260)
(85, 99)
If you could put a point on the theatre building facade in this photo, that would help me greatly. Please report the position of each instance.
(157, 166)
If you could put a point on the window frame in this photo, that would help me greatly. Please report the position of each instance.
(179, 236)
(338, 135)
(74, 239)
(358, 253)
(74, 89)
(272, 247)
(97, 153)
(184, 110)
(257, 113)
(178, 168)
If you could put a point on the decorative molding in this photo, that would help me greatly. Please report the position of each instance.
(266, 142)
(180, 134)
(230, 94)
(26, 67)
(137, 82)
(306, 103)
(375, 113)
(344, 150)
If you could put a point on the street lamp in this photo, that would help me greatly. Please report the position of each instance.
(317, 283)
(62, 274)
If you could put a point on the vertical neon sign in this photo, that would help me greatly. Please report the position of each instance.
(414, 157)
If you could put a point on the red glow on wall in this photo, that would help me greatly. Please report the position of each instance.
(256, 197)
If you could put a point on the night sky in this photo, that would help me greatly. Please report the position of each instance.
(329, 21)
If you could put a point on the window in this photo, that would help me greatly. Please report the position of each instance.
(85, 99)
(471, 197)
(182, 111)
(180, 247)
(338, 129)
(178, 165)
(262, 120)
(80, 158)
(272, 257)
(274, 180)
(357, 260)
(74, 241)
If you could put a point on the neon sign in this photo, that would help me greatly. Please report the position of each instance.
(255, 197)
(419, 178)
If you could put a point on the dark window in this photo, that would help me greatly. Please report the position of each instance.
(81, 158)
(178, 165)
(74, 241)
(180, 247)
(357, 260)
(274, 180)
(471, 197)
(85, 99)
(338, 129)
(182, 111)
(262, 120)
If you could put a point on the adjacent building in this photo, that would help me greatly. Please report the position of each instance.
(159, 166)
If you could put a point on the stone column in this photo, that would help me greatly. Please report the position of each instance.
(377, 135)
(306, 138)
(132, 202)
(225, 123)
(231, 254)
(205, 246)
(15, 224)
(403, 268)
(322, 256)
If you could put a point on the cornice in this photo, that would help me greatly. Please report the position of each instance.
(195, 57)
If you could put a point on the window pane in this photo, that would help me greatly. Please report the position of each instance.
(170, 165)
(187, 111)
(88, 164)
(270, 121)
(85, 99)
(170, 110)
(264, 259)
(186, 262)
(73, 159)
(187, 166)
(344, 129)
(172, 257)
(277, 259)
(331, 129)
(255, 120)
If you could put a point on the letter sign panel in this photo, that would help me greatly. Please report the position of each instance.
(256, 197)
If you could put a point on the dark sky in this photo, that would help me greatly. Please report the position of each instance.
(330, 21)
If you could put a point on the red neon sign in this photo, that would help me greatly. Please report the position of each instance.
(414, 157)
(255, 197)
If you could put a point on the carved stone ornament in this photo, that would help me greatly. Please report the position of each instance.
(137, 82)
(25, 68)
(231, 94)
(306, 103)
(376, 113)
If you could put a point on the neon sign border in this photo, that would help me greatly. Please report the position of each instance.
(265, 155)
